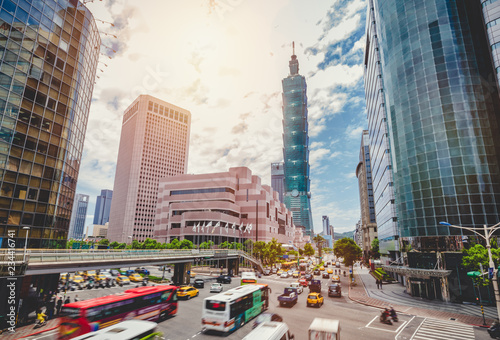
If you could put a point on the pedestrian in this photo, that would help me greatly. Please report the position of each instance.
(378, 283)
(59, 305)
(76, 298)
(67, 300)
(381, 284)
(50, 307)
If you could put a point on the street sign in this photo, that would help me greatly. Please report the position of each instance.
(188, 272)
(490, 273)
(474, 274)
(285, 256)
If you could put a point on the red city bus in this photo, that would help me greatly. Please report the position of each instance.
(145, 303)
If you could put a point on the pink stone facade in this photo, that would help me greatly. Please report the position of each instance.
(221, 207)
(154, 143)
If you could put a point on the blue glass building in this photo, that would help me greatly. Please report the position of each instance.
(48, 58)
(103, 207)
(78, 217)
(297, 196)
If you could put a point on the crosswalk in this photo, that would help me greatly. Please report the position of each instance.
(433, 329)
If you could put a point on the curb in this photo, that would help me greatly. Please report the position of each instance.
(39, 332)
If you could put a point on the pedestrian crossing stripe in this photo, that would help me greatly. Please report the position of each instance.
(434, 329)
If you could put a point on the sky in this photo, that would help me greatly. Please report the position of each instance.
(223, 60)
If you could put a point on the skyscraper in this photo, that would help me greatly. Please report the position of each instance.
(326, 225)
(278, 179)
(491, 16)
(297, 197)
(368, 222)
(47, 73)
(78, 216)
(103, 207)
(430, 82)
(154, 143)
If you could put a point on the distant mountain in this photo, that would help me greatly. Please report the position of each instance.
(349, 234)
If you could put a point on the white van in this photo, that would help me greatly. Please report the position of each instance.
(270, 330)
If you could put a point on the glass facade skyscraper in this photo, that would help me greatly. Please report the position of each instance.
(278, 178)
(442, 115)
(48, 58)
(103, 207)
(297, 196)
(78, 216)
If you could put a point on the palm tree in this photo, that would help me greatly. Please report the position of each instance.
(320, 241)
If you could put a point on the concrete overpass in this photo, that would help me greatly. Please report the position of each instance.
(54, 261)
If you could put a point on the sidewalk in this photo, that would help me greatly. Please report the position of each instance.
(367, 293)
(28, 330)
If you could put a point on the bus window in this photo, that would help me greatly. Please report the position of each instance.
(215, 305)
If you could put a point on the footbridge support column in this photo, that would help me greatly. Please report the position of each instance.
(181, 274)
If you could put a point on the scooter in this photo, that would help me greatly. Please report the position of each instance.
(393, 314)
(384, 318)
(494, 330)
(39, 323)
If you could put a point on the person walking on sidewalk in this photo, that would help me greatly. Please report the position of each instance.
(377, 281)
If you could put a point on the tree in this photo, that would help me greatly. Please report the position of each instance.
(258, 249)
(114, 245)
(103, 242)
(476, 255)
(348, 249)
(186, 244)
(136, 244)
(174, 244)
(224, 245)
(320, 241)
(308, 250)
(248, 246)
(374, 251)
(150, 244)
(206, 245)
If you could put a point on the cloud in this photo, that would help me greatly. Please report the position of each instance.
(354, 132)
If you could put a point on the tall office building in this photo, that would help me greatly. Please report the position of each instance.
(491, 16)
(435, 84)
(378, 134)
(78, 216)
(103, 207)
(368, 222)
(278, 179)
(48, 63)
(297, 197)
(154, 143)
(326, 225)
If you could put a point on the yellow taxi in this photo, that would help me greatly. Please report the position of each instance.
(135, 277)
(122, 280)
(100, 277)
(187, 292)
(315, 299)
(296, 274)
(192, 274)
(321, 268)
(78, 279)
(279, 272)
(329, 271)
(335, 278)
(65, 276)
(90, 273)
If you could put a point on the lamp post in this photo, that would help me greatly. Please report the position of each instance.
(26, 242)
(488, 231)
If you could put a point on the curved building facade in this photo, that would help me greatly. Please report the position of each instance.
(48, 58)
(442, 114)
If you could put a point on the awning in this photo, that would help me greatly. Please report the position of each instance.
(417, 272)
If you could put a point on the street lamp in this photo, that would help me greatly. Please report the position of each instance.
(26, 242)
(488, 231)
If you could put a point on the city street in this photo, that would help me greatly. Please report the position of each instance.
(357, 321)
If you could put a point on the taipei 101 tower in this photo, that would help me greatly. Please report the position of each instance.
(297, 194)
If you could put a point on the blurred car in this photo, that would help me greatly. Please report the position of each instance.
(90, 274)
(199, 283)
(123, 280)
(335, 289)
(129, 272)
(142, 270)
(315, 299)
(187, 292)
(302, 273)
(264, 317)
(114, 272)
(296, 274)
(135, 278)
(100, 278)
(326, 275)
(78, 279)
(267, 272)
(284, 275)
(224, 279)
(321, 268)
(303, 282)
(63, 277)
(317, 272)
(290, 272)
(308, 277)
(329, 271)
(279, 272)
(192, 274)
(216, 288)
(274, 270)
(335, 278)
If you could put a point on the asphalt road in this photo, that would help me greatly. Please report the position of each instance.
(357, 321)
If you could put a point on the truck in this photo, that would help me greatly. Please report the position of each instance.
(324, 329)
(297, 286)
(315, 286)
(289, 297)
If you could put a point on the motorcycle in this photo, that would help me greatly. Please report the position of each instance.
(393, 315)
(494, 330)
(384, 317)
(40, 323)
(90, 285)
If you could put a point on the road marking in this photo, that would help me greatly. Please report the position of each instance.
(407, 323)
(442, 329)
(402, 325)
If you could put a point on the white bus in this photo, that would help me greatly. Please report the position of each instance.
(125, 330)
(226, 312)
(248, 277)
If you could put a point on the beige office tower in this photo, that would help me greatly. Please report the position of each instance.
(154, 144)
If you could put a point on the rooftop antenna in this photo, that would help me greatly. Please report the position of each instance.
(293, 46)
